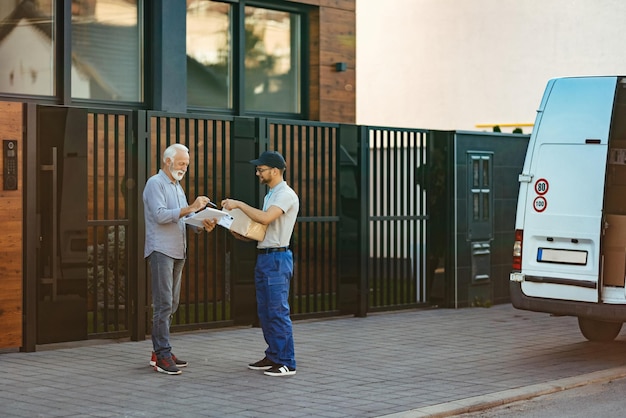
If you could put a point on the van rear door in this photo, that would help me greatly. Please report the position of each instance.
(563, 215)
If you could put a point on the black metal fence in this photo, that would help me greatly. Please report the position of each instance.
(125, 149)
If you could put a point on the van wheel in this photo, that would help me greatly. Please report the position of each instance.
(595, 330)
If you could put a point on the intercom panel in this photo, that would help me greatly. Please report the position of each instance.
(9, 149)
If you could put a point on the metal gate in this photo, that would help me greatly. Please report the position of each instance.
(205, 299)
(311, 152)
(396, 217)
(111, 223)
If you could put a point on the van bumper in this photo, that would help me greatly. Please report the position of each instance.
(598, 311)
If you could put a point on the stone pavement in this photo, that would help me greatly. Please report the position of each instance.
(432, 362)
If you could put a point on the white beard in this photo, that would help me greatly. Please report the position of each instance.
(177, 174)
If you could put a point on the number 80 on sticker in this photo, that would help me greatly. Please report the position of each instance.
(541, 187)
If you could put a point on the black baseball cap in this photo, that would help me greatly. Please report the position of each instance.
(270, 159)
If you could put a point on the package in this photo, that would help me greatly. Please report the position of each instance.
(614, 246)
(239, 222)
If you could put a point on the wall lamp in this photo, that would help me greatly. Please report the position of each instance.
(341, 67)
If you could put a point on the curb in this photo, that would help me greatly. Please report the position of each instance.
(482, 402)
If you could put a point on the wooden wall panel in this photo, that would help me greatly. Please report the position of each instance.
(309, 2)
(337, 43)
(11, 225)
(314, 66)
(337, 4)
(332, 39)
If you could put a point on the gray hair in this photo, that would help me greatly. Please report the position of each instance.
(170, 152)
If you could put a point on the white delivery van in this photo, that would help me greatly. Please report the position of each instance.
(569, 256)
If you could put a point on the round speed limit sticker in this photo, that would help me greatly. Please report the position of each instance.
(540, 203)
(541, 186)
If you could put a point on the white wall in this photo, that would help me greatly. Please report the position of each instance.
(26, 73)
(31, 73)
(453, 64)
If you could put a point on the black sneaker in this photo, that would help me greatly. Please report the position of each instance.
(177, 361)
(167, 366)
(264, 364)
(280, 370)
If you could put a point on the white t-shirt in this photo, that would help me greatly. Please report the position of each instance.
(279, 231)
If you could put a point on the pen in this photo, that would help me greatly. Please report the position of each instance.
(207, 205)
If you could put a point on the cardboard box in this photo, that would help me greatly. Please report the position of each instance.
(614, 247)
(614, 266)
(240, 223)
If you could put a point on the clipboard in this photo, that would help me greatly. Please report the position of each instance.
(207, 213)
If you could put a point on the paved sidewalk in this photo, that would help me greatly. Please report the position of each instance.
(417, 363)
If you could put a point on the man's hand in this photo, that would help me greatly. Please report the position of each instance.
(240, 237)
(230, 204)
(209, 224)
(200, 203)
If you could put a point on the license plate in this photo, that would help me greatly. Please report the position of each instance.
(551, 255)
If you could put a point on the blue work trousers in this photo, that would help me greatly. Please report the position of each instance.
(272, 276)
(166, 276)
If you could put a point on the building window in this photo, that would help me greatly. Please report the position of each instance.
(269, 61)
(27, 47)
(272, 55)
(209, 55)
(107, 50)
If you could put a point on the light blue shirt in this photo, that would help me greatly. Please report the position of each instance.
(165, 229)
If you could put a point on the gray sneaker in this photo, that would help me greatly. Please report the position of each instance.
(167, 366)
(179, 363)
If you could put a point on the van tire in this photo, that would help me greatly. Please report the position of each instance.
(601, 331)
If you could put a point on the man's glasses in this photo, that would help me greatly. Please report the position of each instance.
(261, 170)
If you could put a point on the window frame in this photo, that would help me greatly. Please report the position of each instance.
(143, 26)
(238, 47)
(150, 70)
(62, 62)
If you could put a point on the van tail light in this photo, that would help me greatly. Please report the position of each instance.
(517, 250)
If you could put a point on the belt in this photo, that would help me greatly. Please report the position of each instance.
(271, 250)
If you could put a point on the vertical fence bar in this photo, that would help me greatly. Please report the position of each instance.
(321, 211)
(95, 233)
(115, 215)
(105, 204)
(210, 149)
(373, 211)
